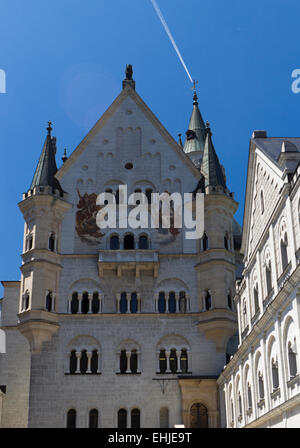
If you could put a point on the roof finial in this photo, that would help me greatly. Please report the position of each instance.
(207, 127)
(128, 81)
(64, 157)
(179, 140)
(195, 98)
(49, 128)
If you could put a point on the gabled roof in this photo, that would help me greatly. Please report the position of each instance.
(210, 165)
(46, 168)
(127, 91)
(195, 136)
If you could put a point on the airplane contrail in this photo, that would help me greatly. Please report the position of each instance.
(164, 23)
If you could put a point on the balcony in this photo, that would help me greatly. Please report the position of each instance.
(123, 261)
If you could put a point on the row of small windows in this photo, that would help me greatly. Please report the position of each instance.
(205, 242)
(52, 242)
(91, 303)
(128, 242)
(292, 371)
(169, 361)
(132, 419)
(116, 193)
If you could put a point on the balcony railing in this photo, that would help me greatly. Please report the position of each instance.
(126, 260)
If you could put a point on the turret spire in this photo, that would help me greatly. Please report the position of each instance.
(195, 135)
(211, 168)
(46, 168)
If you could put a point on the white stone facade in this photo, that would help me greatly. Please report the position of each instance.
(61, 266)
(260, 387)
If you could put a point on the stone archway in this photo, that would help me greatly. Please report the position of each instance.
(198, 416)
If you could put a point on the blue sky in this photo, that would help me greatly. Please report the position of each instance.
(64, 60)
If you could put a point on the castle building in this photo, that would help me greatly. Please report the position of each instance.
(121, 327)
(260, 387)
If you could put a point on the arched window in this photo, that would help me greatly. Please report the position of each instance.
(73, 361)
(128, 242)
(143, 242)
(198, 416)
(25, 301)
(229, 300)
(122, 418)
(30, 242)
(74, 303)
(283, 251)
(172, 302)
(226, 244)
(123, 361)
(249, 393)
(182, 302)
(49, 301)
(123, 303)
(83, 362)
(52, 242)
(261, 388)
(94, 361)
(161, 302)
(133, 303)
(85, 303)
(292, 357)
(268, 277)
(135, 418)
(134, 361)
(173, 361)
(164, 418)
(71, 419)
(95, 303)
(245, 319)
(207, 301)
(255, 298)
(93, 418)
(114, 242)
(262, 202)
(162, 361)
(148, 193)
(184, 361)
(275, 376)
(204, 242)
(240, 405)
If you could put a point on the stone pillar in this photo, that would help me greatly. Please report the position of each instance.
(168, 352)
(100, 303)
(118, 302)
(89, 357)
(128, 356)
(90, 297)
(178, 354)
(139, 302)
(79, 303)
(128, 297)
(156, 302)
(78, 356)
(177, 302)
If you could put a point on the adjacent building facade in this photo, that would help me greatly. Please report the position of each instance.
(260, 387)
(121, 327)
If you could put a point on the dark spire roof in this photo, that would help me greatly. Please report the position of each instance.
(210, 167)
(46, 168)
(195, 135)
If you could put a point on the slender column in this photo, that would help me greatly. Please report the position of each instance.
(177, 302)
(53, 304)
(78, 356)
(69, 305)
(139, 302)
(156, 302)
(90, 297)
(128, 297)
(79, 303)
(139, 362)
(178, 353)
(128, 356)
(158, 361)
(99, 362)
(89, 357)
(100, 303)
(167, 303)
(282, 366)
(188, 302)
(254, 385)
(118, 302)
(266, 372)
(168, 352)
